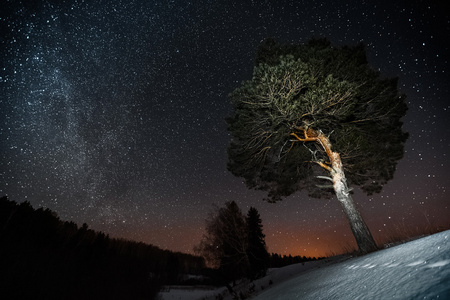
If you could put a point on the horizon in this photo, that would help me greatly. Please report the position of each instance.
(397, 236)
(114, 116)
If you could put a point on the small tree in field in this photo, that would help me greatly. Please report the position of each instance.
(257, 254)
(235, 244)
(225, 243)
(313, 113)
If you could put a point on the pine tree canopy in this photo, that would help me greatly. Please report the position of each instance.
(298, 91)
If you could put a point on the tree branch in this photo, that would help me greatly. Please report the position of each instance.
(325, 177)
(306, 139)
(328, 168)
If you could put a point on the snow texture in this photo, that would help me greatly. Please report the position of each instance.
(416, 270)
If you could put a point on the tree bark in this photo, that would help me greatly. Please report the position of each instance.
(361, 232)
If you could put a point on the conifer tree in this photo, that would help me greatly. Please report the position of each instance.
(257, 251)
(311, 113)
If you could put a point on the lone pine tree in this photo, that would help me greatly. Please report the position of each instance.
(311, 113)
(257, 254)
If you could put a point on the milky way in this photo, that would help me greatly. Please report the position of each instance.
(114, 114)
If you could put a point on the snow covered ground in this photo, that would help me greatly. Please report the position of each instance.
(246, 288)
(416, 270)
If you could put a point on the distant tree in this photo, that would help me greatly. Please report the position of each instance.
(257, 251)
(311, 112)
(225, 243)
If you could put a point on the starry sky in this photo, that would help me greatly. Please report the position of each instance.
(113, 113)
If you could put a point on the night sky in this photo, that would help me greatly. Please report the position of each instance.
(113, 113)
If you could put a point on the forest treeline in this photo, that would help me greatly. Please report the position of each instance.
(279, 261)
(43, 257)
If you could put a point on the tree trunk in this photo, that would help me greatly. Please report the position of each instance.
(363, 237)
(361, 232)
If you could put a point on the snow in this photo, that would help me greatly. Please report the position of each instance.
(194, 293)
(416, 270)
(275, 275)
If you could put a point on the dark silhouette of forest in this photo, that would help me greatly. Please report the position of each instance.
(43, 257)
(279, 261)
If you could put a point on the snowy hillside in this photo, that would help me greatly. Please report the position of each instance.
(416, 270)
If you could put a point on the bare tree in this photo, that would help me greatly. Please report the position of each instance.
(225, 243)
